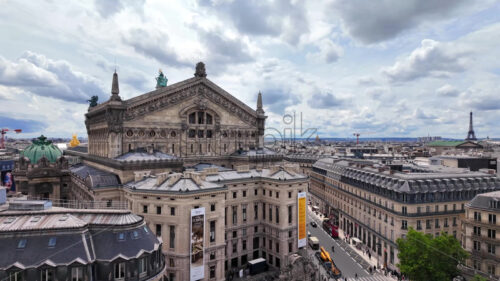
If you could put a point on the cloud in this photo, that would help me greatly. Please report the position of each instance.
(155, 44)
(108, 8)
(284, 18)
(324, 101)
(277, 100)
(221, 51)
(448, 90)
(432, 59)
(45, 77)
(419, 114)
(28, 126)
(329, 52)
(377, 21)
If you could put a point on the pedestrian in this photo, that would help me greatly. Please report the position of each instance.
(369, 255)
(370, 268)
(355, 276)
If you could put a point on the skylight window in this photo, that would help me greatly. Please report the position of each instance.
(9, 220)
(52, 242)
(121, 236)
(135, 234)
(22, 244)
(63, 218)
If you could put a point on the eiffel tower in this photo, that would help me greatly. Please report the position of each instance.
(470, 135)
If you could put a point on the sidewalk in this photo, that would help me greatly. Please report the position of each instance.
(371, 261)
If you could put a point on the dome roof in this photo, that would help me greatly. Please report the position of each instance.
(42, 147)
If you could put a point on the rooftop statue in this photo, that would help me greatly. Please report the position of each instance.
(74, 141)
(93, 101)
(161, 80)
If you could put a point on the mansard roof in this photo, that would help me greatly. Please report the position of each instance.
(413, 182)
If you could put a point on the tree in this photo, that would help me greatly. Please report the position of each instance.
(478, 277)
(422, 257)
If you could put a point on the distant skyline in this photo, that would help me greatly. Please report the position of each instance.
(384, 68)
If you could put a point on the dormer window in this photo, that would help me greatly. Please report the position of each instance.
(52, 242)
(121, 236)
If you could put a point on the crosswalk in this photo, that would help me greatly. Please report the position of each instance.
(370, 278)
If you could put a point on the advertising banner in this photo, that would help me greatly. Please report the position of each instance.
(197, 244)
(301, 221)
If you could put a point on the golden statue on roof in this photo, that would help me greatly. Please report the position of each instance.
(74, 141)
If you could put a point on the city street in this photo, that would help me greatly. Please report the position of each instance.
(348, 261)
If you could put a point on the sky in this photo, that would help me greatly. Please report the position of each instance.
(382, 68)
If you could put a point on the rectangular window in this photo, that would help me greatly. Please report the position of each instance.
(225, 216)
(244, 212)
(477, 246)
(212, 231)
(244, 244)
(477, 216)
(76, 273)
(212, 207)
(158, 230)
(172, 211)
(477, 230)
(277, 194)
(234, 247)
(277, 247)
(16, 276)
(119, 270)
(212, 272)
(142, 266)
(277, 214)
(290, 216)
(244, 193)
(419, 225)
(172, 237)
(255, 192)
(289, 194)
(404, 224)
(492, 218)
(158, 210)
(290, 247)
(234, 194)
(270, 213)
(454, 221)
(47, 275)
(445, 222)
(255, 211)
(436, 223)
(171, 262)
(491, 249)
(263, 211)
(235, 215)
(492, 233)
(212, 256)
(145, 209)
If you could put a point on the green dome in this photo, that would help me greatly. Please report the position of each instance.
(42, 147)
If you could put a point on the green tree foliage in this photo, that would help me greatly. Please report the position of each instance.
(478, 278)
(423, 258)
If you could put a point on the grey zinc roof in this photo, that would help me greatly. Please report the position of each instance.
(95, 177)
(482, 201)
(79, 235)
(435, 180)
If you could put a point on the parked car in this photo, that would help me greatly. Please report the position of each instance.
(313, 224)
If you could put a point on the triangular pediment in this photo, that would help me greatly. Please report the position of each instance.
(199, 91)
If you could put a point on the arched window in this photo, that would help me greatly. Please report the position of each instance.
(173, 134)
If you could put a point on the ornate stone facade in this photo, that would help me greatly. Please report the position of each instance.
(189, 118)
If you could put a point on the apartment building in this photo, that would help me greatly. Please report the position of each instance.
(378, 205)
(250, 213)
(479, 235)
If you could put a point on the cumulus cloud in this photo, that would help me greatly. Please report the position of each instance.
(419, 114)
(432, 58)
(377, 21)
(329, 52)
(277, 100)
(45, 77)
(284, 18)
(326, 100)
(448, 90)
(108, 8)
(221, 50)
(154, 43)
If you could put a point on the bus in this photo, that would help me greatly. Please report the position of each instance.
(330, 228)
(314, 243)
